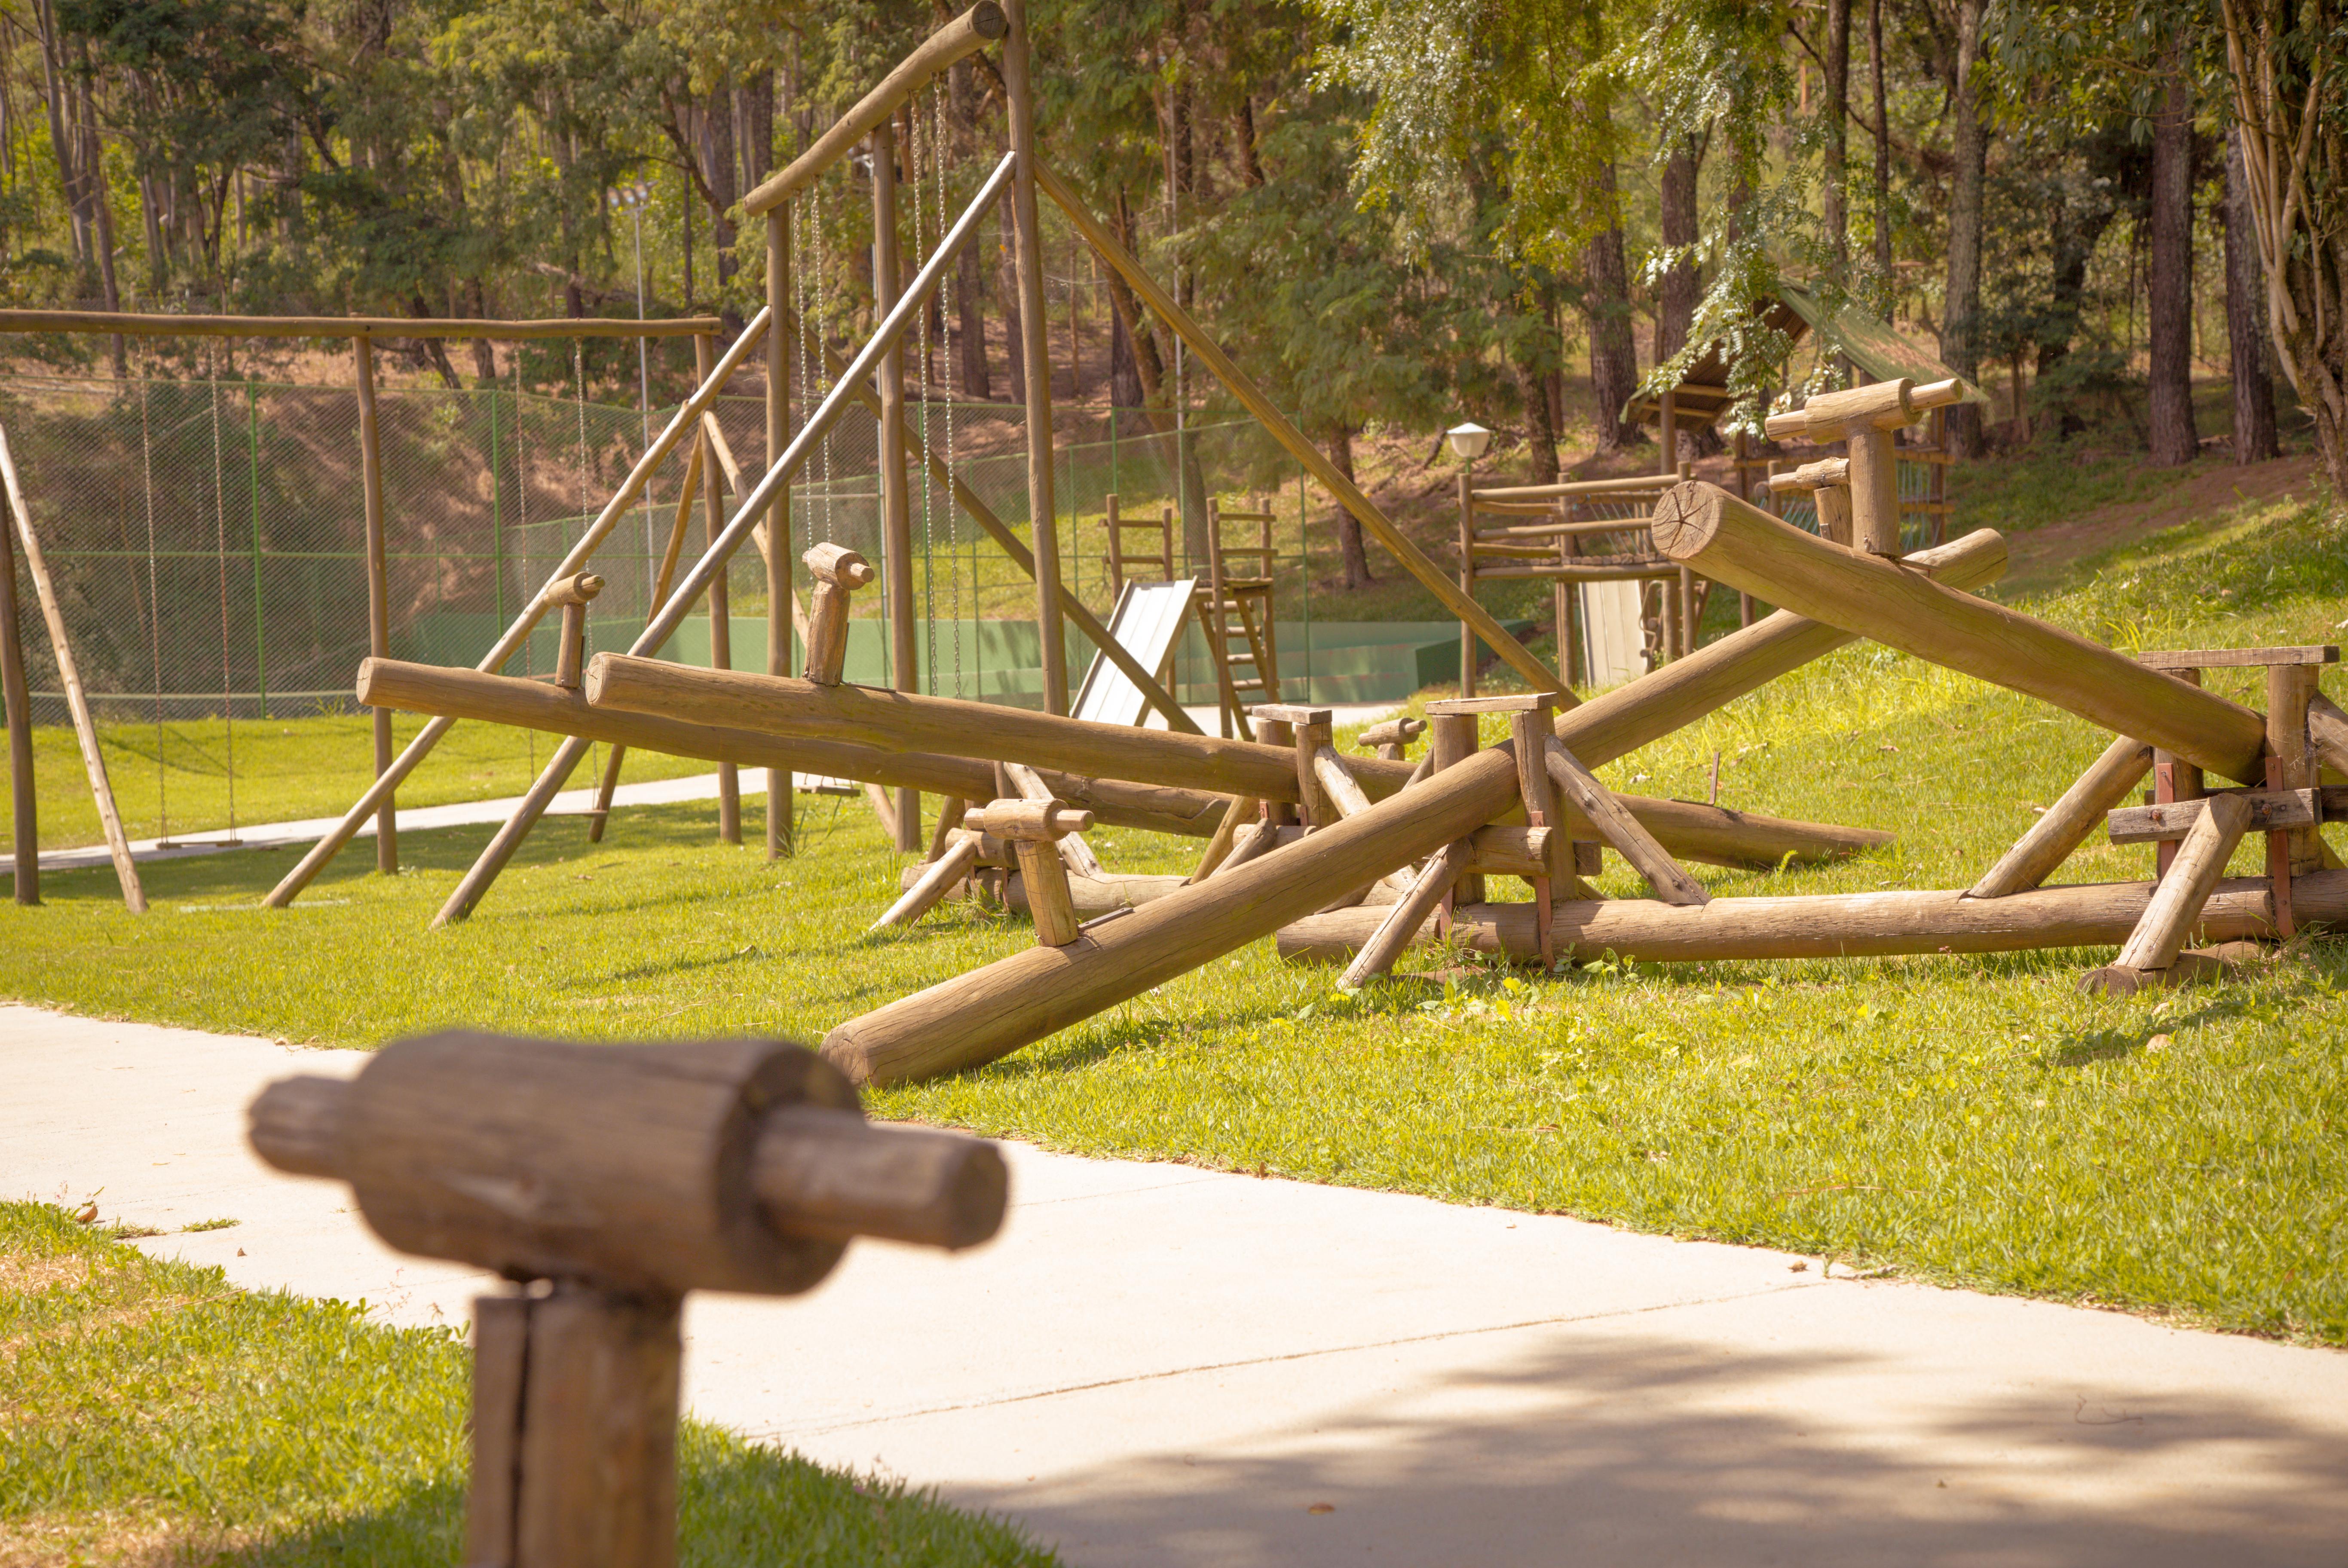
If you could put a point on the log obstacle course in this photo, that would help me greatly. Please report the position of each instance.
(606, 1182)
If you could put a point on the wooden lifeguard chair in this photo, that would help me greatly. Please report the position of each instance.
(1237, 610)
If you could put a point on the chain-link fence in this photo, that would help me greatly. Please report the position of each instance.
(208, 540)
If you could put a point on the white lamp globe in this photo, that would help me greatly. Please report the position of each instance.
(1468, 440)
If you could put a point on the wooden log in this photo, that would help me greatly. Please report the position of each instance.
(1877, 406)
(965, 36)
(952, 809)
(595, 1462)
(862, 715)
(534, 705)
(981, 1016)
(2239, 658)
(1405, 920)
(1622, 829)
(2069, 821)
(509, 642)
(839, 572)
(780, 285)
(1074, 853)
(149, 323)
(1049, 903)
(1452, 740)
(2291, 762)
(1644, 710)
(896, 499)
(1314, 461)
(1632, 485)
(1835, 925)
(1027, 821)
(1704, 527)
(827, 1176)
(1094, 896)
(2270, 809)
(615, 756)
(93, 760)
(978, 511)
(1034, 351)
(17, 707)
(2177, 903)
(707, 449)
(1218, 847)
(937, 879)
(378, 582)
(1390, 739)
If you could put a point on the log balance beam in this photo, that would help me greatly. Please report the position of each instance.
(1705, 528)
(1837, 926)
(870, 716)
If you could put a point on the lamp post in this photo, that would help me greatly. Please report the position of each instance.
(1467, 443)
(635, 196)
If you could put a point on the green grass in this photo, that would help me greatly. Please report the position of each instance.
(286, 770)
(1968, 1120)
(150, 1411)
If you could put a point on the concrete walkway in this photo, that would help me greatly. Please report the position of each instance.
(1158, 1365)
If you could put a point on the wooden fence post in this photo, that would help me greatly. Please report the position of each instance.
(378, 583)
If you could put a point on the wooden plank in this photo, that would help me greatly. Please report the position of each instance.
(1314, 460)
(16, 706)
(93, 760)
(1623, 830)
(2237, 658)
(2068, 822)
(2176, 904)
(965, 36)
(574, 559)
(2269, 810)
(1511, 702)
(138, 323)
(1835, 925)
(1705, 528)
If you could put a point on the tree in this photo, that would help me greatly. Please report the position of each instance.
(2170, 314)
(2245, 327)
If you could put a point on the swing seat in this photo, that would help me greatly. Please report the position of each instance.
(1145, 623)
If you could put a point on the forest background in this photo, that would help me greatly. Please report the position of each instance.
(1398, 212)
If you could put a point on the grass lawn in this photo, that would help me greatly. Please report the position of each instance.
(287, 770)
(1969, 1119)
(152, 1412)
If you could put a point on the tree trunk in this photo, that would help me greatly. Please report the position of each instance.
(970, 330)
(1606, 306)
(1838, 153)
(485, 359)
(1540, 431)
(1349, 527)
(2246, 322)
(1675, 296)
(1883, 125)
(1125, 388)
(1148, 359)
(1961, 310)
(718, 135)
(1251, 166)
(2169, 269)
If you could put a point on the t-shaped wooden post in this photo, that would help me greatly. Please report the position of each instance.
(839, 573)
(608, 1181)
(1033, 828)
(1867, 418)
(1827, 483)
(575, 594)
(1392, 737)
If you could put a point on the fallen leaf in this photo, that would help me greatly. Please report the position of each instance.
(1323, 1508)
(2157, 1043)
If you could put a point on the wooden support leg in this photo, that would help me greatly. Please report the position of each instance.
(1400, 927)
(936, 881)
(1049, 900)
(574, 1431)
(1619, 828)
(2069, 821)
(950, 810)
(1533, 729)
(1451, 740)
(2177, 903)
(1237, 811)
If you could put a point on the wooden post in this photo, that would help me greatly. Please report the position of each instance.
(1035, 352)
(2069, 821)
(17, 702)
(570, 643)
(615, 755)
(378, 584)
(839, 572)
(1667, 432)
(1467, 649)
(1704, 527)
(2174, 780)
(1874, 491)
(779, 800)
(1034, 829)
(2290, 689)
(1688, 628)
(896, 509)
(721, 619)
(1280, 809)
(1451, 740)
(93, 760)
(1533, 729)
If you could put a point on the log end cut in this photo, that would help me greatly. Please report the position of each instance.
(1687, 517)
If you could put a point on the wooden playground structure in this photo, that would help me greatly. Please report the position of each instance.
(1359, 858)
